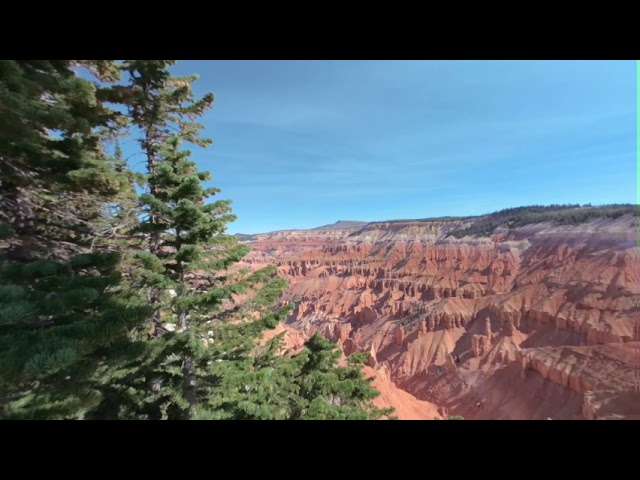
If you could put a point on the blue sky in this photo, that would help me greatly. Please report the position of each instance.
(299, 144)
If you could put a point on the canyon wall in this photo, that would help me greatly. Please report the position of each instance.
(533, 323)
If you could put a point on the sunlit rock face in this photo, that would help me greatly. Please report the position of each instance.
(533, 323)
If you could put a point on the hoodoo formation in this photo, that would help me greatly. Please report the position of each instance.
(534, 321)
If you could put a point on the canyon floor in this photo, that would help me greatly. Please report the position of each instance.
(535, 322)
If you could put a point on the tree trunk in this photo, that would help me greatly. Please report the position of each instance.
(183, 320)
(189, 387)
(154, 237)
(17, 212)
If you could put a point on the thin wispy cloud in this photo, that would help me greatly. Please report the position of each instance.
(305, 143)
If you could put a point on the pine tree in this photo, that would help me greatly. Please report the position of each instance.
(121, 215)
(202, 359)
(59, 316)
(73, 335)
(187, 254)
(329, 392)
(55, 178)
(311, 385)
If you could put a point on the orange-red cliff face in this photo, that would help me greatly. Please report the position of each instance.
(535, 324)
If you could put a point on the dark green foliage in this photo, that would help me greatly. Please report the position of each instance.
(358, 358)
(57, 322)
(559, 214)
(56, 177)
(115, 305)
(59, 315)
(328, 392)
(306, 386)
(202, 359)
(121, 215)
(427, 219)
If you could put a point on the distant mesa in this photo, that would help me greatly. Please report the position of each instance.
(243, 237)
(497, 222)
(340, 224)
